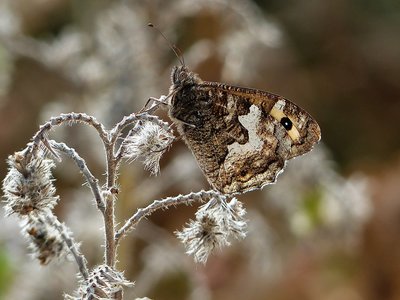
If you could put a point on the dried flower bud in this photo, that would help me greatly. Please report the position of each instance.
(46, 241)
(148, 142)
(103, 283)
(235, 221)
(28, 186)
(215, 223)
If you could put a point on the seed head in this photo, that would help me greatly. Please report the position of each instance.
(215, 223)
(28, 187)
(103, 283)
(46, 241)
(148, 142)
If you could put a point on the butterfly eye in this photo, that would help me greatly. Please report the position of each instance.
(285, 121)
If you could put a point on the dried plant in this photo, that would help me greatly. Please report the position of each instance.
(30, 194)
(112, 61)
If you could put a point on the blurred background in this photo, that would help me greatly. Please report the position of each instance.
(328, 229)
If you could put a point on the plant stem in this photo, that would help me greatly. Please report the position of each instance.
(164, 203)
(68, 239)
(92, 181)
(67, 118)
(109, 218)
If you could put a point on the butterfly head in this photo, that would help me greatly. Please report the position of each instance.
(181, 76)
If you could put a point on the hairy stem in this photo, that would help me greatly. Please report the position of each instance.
(68, 239)
(67, 118)
(163, 204)
(80, 162)
(109, 217)
(113, 160)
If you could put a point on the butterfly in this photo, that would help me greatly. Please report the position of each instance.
(240, 137)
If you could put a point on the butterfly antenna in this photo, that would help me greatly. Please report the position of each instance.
(174, 48)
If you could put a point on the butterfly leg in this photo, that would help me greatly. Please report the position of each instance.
(153, 103)
(185, 123)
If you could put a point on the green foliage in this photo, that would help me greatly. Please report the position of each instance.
(312, 206)
(5, 273)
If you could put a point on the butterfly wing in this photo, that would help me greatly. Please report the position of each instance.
(241, 137)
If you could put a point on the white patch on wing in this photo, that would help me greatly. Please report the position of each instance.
(255, 144)
(280, 104)
(302, 121)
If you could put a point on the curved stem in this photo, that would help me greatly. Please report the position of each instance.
(65, 118)
(163, 204)
(80, 162)
(72, 245)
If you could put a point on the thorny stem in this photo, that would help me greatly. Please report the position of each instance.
(68, 239)
(162, 204)
(80, 162)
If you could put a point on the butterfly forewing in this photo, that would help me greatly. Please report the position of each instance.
(240, 137)
(303, 130)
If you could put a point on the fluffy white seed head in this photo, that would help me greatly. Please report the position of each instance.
(28, 187)
(216, 222)
(149, 143)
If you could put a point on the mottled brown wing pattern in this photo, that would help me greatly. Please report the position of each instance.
(241, 137)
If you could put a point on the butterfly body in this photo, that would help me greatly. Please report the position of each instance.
(241, 137)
